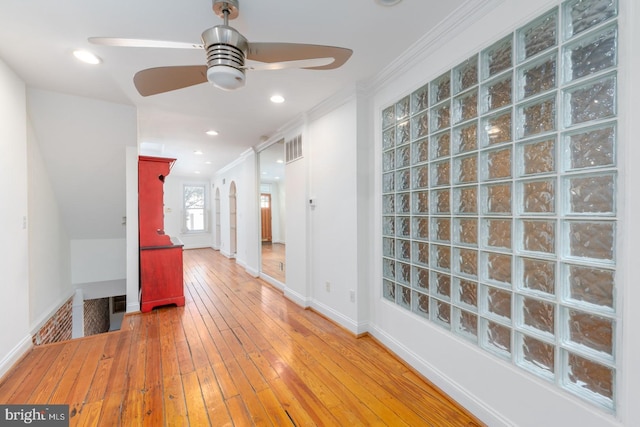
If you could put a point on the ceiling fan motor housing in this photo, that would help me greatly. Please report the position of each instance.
(226, 51)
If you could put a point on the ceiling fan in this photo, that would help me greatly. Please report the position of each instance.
(226, 51)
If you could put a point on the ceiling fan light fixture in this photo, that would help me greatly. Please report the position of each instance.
(226, 77)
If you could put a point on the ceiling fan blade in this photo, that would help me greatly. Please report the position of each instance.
(153, 81)
(284, 52)
(122, 42)
(301, 63)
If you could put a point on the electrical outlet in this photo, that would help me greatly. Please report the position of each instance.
(327, 286)
(352, 295)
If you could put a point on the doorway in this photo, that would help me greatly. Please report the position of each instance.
(272, 212)
(232, 220)
(217, 219)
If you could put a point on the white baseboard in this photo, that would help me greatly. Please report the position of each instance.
(273, 282)
(351, 325)
(296, 297)
(15, 354)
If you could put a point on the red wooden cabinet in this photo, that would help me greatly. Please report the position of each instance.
(161, 280)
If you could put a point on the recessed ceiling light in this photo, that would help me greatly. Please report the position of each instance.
(86, 57)
(211, 132)
(198, 153)
(388, 2)
(277, 177)
(208, 162)
(277, 99)
(279, 161)
(196, 172)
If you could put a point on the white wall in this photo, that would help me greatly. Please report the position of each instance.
(98, 260)
(14, 286)
(49, 245)
(173, 211)
(497, 391)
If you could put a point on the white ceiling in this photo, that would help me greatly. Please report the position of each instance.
(37, 38)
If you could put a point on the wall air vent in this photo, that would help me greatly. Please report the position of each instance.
(293, 148)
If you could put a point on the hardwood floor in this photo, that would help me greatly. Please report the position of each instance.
(273, 260)
(237, 354)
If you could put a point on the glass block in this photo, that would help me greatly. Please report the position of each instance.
(498, 338)
(403, 226)
(440, 145)
(420, 227)
(467, 262)
(388, 225)
(389, 290)
(388, 247)
(388, 204)
(388, 116)
(539, 236)
(539, 275)
(420, 151)
(441, 88)
(442, 284)
(585, 14)
(538, 196)
(466, 169)
(441, 311)
(538, 117)
(388, 182)
(441, 201)
(404, 297)
(441, 117)
(465, 106)
(497, 198)
(499, 302)
(403, 133)
(591, 239)
(402, 109)
(388, 268)
(403, 179)
(498, 232)
(591, 55)
(421, 253)
(420, 176)
(587, 375)
(420, 99)
(441, 173)
(403, 156)
(538, 36)
(593, 101)
(498, 267)
(591, 285)
(421, 304)
(442, 229)
(539, 157)
(539, 354)
(593, 331)
(497, 57)
(403, 273)
(497, 94)
(388, 161)
(419, 126)
(538, 314)
(498, 163)
(465, 200)
(421, 278)
(466, 324)
(403, 202)
(403, 250)
(388, 138)
(498, 129)
(467, 292)
(420, 202)
(465, 138)
(538, 77)
(591, 194)
(591, 148)
(466, 231)
(465, 75)
(441, 257)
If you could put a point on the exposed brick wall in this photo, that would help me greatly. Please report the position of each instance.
(96, 316)
(57, 328)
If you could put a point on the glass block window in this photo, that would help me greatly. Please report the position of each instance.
(499, 190)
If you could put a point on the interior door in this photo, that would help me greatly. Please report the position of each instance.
(265, 213)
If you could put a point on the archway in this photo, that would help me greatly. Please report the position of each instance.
(232, 220)
(217, 219)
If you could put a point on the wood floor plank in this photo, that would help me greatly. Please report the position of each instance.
(196, 410)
